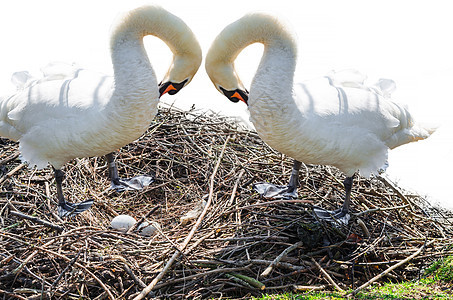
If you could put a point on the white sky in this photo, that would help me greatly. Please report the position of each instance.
(407, 41)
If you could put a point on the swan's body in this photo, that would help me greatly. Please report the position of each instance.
(351, 128)
(334, 120)
(72, 112)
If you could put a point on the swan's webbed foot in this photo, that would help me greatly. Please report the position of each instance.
(68, 209)
(269, 190)
(130, 184)
(286, 192)
(339, 216)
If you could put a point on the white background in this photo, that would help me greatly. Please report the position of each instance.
(407, 41)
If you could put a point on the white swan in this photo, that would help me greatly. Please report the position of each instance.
(334, 120)
(72, 112)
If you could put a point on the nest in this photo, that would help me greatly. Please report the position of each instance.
(237, 245)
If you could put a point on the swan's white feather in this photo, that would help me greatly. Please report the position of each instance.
(335, 120)
(71, 112)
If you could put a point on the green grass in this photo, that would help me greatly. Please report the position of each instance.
(437, 284)
(442, 270)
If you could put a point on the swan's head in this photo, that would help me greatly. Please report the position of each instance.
(154, 20)
(252, 28)
(223, 74)
(182, 70)
(220, 68)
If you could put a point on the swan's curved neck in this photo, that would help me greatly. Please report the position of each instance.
(130, 61)
(131, 65)
(275, 73)
(276, 69)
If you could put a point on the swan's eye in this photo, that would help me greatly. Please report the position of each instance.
(236, 95)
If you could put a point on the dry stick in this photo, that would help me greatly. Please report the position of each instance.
(137, 280)
(13, 237)
(390, 184)
(56, 216)
(215, 271)
(300, 288)
(380, 209)
(153, 283)
(12, 172)
(279, 258)
(29, 258)
(9, 158)
(327, 276)
(104, 287)
(270, 203)
(377, 277)
(235, 187)
(37, 220)
(71, 263)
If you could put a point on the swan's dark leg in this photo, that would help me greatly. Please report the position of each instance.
(341, 215)
(118, 184)
(67, 209)
(268, 190)
(348, 187)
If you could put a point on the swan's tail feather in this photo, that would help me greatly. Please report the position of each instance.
(415, 133)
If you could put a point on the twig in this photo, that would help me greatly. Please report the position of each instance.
(279, 258)
(71, 263)
(153, 283)
(327, 276)
(362, 225)
(215, 271)
(37, 220)
(29, 258)
(65, 258)
(137, 280)
(388, 270)
(235, 187)
(390, 184)
(300, 288)
(12, 172)
(9, 158)
(253, 282)
(380, 209)
(270, 203)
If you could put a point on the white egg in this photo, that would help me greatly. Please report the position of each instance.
(122, 222)
(147, 229)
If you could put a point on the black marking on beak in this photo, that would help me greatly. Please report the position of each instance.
(236, 95)
(170, 87)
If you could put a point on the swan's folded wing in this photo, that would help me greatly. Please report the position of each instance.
(22, 79)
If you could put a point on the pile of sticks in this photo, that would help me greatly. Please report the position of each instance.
(235, 244)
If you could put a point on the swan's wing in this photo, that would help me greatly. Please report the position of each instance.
(346, 78)
(385, 87)
(46, 99)
(345, 105)
(22, 79)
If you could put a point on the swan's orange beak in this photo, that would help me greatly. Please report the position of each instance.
(170, 87)
(236, 95)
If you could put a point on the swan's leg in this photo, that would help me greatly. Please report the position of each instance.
(119, 184)
(67, 209)
(340, 215)
(268, 190)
